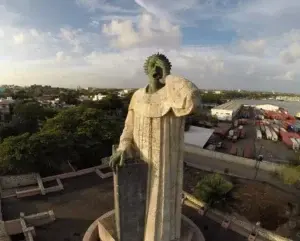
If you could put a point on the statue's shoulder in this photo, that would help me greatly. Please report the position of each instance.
(180, 84)
(136, 97)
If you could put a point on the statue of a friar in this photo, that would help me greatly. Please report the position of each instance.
(154, 132)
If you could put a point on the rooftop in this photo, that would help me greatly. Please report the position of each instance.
(197, 136)
(231, 105)
(82, 201)
(292, 107)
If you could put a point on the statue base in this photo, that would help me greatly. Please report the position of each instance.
(104, 229)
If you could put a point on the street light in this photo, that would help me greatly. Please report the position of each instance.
(259, 159)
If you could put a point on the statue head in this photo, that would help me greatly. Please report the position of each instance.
(157, 67)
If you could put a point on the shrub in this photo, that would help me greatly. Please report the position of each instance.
(212, 189)
(290, 174)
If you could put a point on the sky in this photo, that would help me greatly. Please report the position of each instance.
(220, 44)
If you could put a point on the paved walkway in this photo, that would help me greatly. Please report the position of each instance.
(216, 165)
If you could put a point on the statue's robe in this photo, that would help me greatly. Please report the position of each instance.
(154, 127)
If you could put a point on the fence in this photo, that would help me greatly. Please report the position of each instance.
(241, 227)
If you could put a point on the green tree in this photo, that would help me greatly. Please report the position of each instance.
(28, 116)
(111, 102)
(14, 156)
(50, 150)
(32, 111)
(212, 189)
(69, 97)
(21, 95)
(79, 135)
(93, 131)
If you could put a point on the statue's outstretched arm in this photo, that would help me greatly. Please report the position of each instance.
(126, 139)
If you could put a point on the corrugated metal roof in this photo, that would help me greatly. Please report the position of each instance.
(197, 136)
(231, 105)
(292, 106)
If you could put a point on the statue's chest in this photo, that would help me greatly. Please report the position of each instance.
(152, 105)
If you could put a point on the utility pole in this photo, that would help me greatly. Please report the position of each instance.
(259, 159)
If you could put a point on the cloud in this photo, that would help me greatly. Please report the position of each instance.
(8, 17)
(292, 54)
(207, 67)
(255, 47)
(109, 51)
(1, 33)
(34, 33)
(289, 75)
(19, 38)
(93, 5)
(177, 11)
(260, 18)
(61, 56)
(94, 23)
(72, 37)
(146, 33)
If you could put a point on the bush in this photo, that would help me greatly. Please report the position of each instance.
(295, 160)
(212, 189)
(290, 174)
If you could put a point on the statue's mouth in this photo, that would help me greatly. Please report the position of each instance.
(157, 76)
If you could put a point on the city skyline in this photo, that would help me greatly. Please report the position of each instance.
(219, 44)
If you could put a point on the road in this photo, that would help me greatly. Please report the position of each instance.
(211, 164)
(208, 163)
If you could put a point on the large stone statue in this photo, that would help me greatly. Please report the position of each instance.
(153, 132)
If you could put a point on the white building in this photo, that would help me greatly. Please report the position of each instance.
(123, 93)
(227, 111)
(84, 97)
(267, 107)
(98, 97)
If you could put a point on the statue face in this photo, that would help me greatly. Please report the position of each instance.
(157, 70)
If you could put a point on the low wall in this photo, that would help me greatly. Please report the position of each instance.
(18, 180)
(241, 227)
(28, 192)
(3, 234)
(264, 165)
(15, 227)
(74, 174)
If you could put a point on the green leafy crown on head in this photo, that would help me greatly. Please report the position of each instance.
(161, 57)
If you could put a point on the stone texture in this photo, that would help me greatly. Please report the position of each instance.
(154, 129)
(107, 229)
(18, 180)
(130, 184)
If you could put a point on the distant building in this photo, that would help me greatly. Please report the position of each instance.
(288, 98)
(84, 97)
(227, 111)
(5, 107)
(123, 93)
(197, 136)
(267, 107)
(98, 97)
(218, 92)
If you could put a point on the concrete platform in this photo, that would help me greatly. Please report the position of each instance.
(103, 229)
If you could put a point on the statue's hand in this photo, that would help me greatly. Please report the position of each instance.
(119, 157)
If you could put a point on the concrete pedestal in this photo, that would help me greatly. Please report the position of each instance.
(104, 229)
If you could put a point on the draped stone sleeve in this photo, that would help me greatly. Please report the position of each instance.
(183, 95)
(126, 139)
